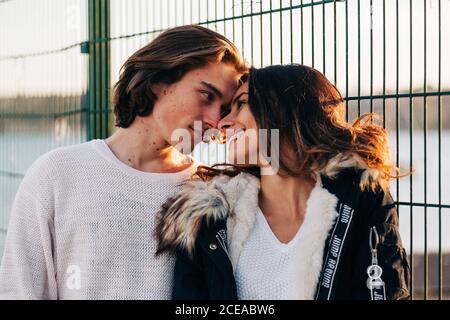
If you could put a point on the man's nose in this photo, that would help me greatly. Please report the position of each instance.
(211, 117)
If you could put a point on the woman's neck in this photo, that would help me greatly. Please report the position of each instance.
(285, 197)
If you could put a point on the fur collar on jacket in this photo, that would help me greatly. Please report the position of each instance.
(236, 200)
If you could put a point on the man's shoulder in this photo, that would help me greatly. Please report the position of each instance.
(56, 159)
(71, 150)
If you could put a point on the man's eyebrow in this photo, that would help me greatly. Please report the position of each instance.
(237, 98)
(213, 88)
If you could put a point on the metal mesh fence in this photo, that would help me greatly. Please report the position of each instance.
(59, 59)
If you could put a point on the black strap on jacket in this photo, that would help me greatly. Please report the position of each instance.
(346, 189)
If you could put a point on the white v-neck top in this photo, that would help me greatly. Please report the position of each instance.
(266, 269)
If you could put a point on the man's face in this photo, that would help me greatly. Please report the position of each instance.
(198, 97)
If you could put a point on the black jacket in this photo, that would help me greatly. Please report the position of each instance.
(195, 225)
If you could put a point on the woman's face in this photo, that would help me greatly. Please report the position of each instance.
(241, 131)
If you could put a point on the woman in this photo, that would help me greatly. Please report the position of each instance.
(322, 226)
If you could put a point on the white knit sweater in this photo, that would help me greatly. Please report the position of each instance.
(82, 228)
(267, 269)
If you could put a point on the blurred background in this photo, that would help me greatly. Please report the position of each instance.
(60, 58)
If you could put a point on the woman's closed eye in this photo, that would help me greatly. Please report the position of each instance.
(240, 103)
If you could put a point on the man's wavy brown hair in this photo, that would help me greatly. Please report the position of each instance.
(166, 59)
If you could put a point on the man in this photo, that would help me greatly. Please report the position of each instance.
(82, 221)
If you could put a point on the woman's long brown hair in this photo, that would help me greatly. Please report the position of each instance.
(308, 111)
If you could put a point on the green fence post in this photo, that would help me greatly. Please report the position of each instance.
(98, 92)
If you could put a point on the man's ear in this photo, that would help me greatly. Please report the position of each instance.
(159, 89)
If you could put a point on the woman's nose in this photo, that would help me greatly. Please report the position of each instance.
(226, 123)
